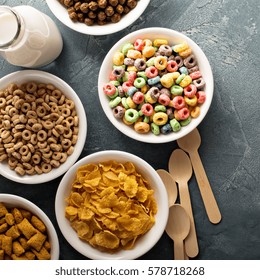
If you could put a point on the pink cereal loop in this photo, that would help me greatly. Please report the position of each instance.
(183, 113)
(139, 44)
(126, 86)
(147, 109)
(195, 75)
(178, 102)
(131, 76)
(201, 96)
(164, 99)
(109, 89)
(138, 97)
(172, 66)
(151, 72)
(190, 90)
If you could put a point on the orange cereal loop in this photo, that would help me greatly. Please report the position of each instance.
(185, 53)
(148, 51)
(134, 54)
(195, 112)
(142, 127)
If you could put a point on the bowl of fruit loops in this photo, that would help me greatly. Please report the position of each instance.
(155, 85)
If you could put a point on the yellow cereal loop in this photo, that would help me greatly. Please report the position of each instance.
(180, 47)
(174, 75)
(160, 118)
(185, 81)
(195, 112)
(131, 68)
(142, 127)
(134, 54)
(144, 88)
(159, 42)
(130, 102)
(160, 62)
(118, 58)
(149, 99)
(185, 53)
(167, 80)
(148, 51)
(191, 101)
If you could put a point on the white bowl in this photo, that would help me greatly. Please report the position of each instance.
(23, 76)
(173, 37)
(146, 242)
(10, 200)
(61, 13)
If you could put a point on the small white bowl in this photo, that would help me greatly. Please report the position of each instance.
(146, 242)
(61, 13)
(173, 37)
(10, 200)
(24, 76)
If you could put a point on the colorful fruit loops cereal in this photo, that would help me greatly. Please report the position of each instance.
(155, 86)
(110, 205)
(23, 236)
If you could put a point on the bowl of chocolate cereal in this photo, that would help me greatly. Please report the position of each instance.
(43, 126)
(111, 205)
(27, 233)
(155, 85)
(100, 17)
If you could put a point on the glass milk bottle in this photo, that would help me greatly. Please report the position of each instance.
(28, 37)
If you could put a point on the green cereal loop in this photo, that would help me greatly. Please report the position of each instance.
(180, 78)
(114, 102)
(155, 129)
(124, 103)
(121, 66)
(115, 83)
(114, 95)
(142, 74)
(125, 77)
(131, 115)
(150, 62)
(160, 108)
(139, 82)
(140, 113)
(185, 122)
(176, 90)
(175, 125)
(146, 119)
(126, 47)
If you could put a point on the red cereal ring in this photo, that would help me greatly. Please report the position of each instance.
(178, 102)
(147, 109)
(151, 72)
(183, 113)
(172, 66)
(164, 99)
(190, 90)
(109, 89)
(138, 97)
(139, 44)
(201, 96)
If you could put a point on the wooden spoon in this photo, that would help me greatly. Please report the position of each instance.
(181, 170)
(170, 186)
(178, 228)
(190, 143)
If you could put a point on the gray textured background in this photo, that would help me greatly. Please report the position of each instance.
(228, 33)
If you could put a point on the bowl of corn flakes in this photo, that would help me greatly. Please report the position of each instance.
(111, 205)
(100, 17)
(155, 85)
(26, 231)
(43, 126)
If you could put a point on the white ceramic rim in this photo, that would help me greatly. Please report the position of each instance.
(152, 33)
(61, 13)
(11, 200)
(41, 76)
(148, 240)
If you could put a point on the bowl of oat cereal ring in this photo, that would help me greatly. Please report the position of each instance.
(155, 85)
(26, 231)
(43, 126)
(111, 205)
(100, 17)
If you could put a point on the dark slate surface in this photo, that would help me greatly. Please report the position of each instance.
(228, 33)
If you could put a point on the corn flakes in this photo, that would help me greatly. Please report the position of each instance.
(110, 205)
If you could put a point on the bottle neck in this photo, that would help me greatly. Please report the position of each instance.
(10, 27)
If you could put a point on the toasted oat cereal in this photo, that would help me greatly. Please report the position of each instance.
(110, 205)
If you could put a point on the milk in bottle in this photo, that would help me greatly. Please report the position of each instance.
(28, 37)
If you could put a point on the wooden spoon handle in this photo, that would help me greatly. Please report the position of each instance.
(207, 195)
(191, 242)
(178, 249)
